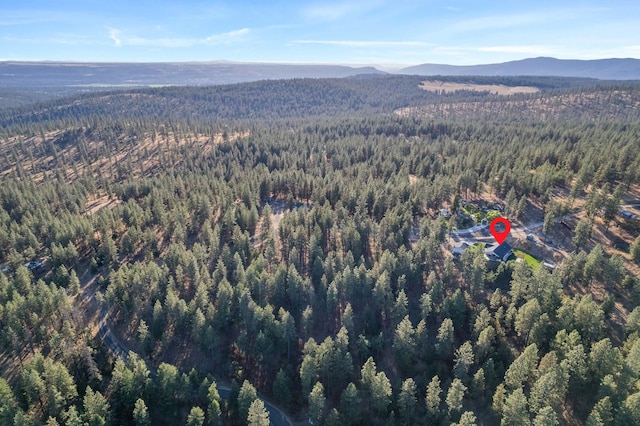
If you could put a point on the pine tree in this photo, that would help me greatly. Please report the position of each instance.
(195, 417)
(455, 396)
(407, 402)
(514, 411)
(8, 405)
(546, 417)
(467, 419)
(582, 234)
(214, 413)
(317, 403)
(433, 398)
(350, 403)
(463, 361)
(246, 396)
(258, 414)
(404, 343)
(376, 388)
(634, 250)
(72, 418)
(445, 338)
(141, 414)
(96, 408)
(282, 389)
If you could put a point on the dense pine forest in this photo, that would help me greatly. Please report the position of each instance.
(276, 252)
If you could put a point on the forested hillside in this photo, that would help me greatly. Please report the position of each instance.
(214, 255)
(278, 99)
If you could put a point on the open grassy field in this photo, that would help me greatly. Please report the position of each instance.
(498, 89)
(531, 261)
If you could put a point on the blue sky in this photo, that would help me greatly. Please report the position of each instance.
(352, 31)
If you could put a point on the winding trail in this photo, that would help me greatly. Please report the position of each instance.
(116, 348)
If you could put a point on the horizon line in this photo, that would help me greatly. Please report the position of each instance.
(276, 62)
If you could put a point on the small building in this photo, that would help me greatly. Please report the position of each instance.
(460, 248)
(498, 252)
(32, 266)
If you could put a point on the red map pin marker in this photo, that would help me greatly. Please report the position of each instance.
(500, 235)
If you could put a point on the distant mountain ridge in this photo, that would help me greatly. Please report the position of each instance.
(14, 74)
(62, 74)
(605, 69)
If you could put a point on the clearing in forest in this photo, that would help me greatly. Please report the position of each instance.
(498, 89)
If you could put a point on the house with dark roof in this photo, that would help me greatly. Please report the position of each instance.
(498, 252)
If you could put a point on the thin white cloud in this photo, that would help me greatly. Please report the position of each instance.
(120, 39)
(226, 38)
(338, 10)
(114, 35)
(364, 43)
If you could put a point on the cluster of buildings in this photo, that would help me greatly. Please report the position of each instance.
(492, 252)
